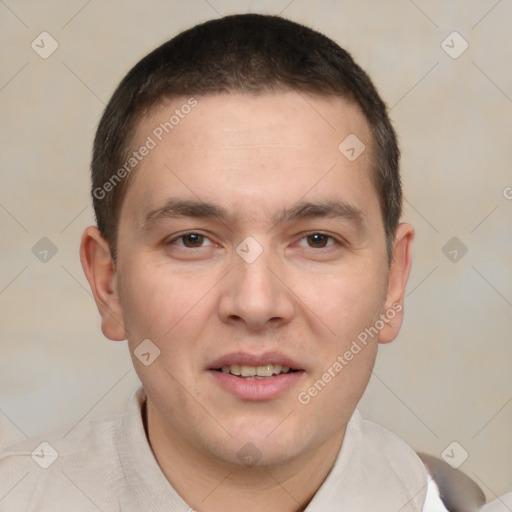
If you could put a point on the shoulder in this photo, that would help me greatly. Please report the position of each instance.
(394, 449)
(446, 489)
(433, 501)
(63, 465)
(395, 467)
(70, 442)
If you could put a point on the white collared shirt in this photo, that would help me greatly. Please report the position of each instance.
(107, 464)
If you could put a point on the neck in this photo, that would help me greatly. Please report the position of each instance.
(210, 485)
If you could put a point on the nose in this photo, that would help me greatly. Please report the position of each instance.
(256, 294)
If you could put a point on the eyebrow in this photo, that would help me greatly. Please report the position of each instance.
(177, 208)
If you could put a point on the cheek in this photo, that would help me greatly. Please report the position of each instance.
(164, 305)
(344, 302)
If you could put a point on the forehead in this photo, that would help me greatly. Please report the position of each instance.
(267, 119)
(254, 151)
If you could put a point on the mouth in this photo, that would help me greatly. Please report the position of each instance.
(256, 377)
(265, 371)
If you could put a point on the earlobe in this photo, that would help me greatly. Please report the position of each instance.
(100, 271)
(398, 276)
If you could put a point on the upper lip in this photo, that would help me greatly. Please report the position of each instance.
(248, 359)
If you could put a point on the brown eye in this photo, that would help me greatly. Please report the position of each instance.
(317, 240)
(192, 240)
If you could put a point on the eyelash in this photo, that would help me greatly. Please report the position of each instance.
(329, 237)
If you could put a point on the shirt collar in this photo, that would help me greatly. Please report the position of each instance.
(375, 470)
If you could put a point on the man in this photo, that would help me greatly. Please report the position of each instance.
(248, 247)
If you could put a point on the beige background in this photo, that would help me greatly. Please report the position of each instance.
(448, 375)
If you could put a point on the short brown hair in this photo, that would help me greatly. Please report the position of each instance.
(248, 53)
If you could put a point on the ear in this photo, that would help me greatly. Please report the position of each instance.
(398, 275)
(101, 273)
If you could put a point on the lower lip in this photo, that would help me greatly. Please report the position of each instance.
(257, 389)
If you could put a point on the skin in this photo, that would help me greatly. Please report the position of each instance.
(197, 299)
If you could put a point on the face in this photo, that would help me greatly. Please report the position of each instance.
(249, 243)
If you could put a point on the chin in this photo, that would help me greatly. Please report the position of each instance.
(252, 448)
(260, 455)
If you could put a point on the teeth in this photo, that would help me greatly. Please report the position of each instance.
(263, 371)
(247, 371)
